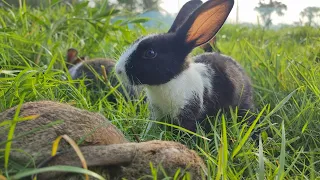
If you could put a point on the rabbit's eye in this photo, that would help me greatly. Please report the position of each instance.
(149, 54)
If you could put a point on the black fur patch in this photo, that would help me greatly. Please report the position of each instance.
(168, 63)
(224, 92)
(190, 113)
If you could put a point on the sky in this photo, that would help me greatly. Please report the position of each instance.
(247, 14)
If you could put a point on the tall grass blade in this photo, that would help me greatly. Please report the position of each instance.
(225, 148)
(11, 133)
(247, 134)
(27, 118)
(261, 160)
(280, 104)
(74, 146)
(294, 162)
(282, 153)
(312, 166)
(220, 163)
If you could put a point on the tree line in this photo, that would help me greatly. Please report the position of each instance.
(130, 5)
(265, 8)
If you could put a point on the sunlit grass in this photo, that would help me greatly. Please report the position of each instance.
(284, 67)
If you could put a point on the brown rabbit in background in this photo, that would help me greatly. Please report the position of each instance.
(77, 124)
(126, 160)
(91, 69)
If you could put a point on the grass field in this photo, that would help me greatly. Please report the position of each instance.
(284, 66)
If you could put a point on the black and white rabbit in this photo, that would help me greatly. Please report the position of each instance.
(187, 89)
(80, 67)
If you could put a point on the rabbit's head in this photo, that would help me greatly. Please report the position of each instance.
(73, 58)
(156, 59)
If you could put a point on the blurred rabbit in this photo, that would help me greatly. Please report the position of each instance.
(77, 124)
(91, 69)
(126, 160)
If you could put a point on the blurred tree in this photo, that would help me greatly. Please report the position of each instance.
(267, 9)
(298, 23)
(310, 13)
(151, 4)
(30, 3)
(130, 5)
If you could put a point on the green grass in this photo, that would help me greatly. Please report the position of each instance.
(284, 67)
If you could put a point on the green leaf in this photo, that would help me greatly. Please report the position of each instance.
(282, 153)
(261, 160)
(11, 133)
(225, 147)
(280, 104)
(247, 134)
(305, 127)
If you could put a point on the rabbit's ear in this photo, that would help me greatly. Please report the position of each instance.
(72, 54)
(72, 57)
(203, 24)
(184, 13)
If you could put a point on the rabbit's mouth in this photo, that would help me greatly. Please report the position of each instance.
(122, 75)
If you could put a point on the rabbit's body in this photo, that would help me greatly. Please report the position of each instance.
(102, 155)
(187, 89)
(212, 82)
(77, 124)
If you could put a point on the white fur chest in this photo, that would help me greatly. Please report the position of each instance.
(171, 97)
(73, 70)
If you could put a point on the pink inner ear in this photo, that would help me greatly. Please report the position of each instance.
(209, 18)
